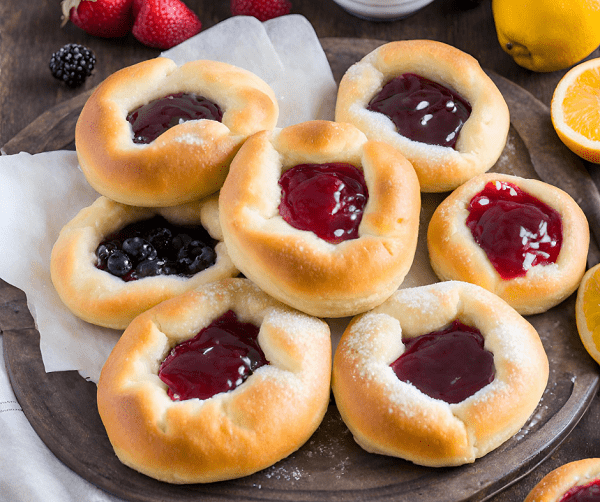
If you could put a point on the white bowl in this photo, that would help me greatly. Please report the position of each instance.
(382, 10)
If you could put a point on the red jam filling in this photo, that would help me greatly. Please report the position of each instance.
(218, 359)
(451, 364)
(156, 247)
(583, 493)
(327, 199)
(149, 121)
(422, 110)
(516, 230)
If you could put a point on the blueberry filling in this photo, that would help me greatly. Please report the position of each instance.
(156, 247)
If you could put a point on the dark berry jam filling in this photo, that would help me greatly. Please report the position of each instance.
(327, 199)
(218, 359)
(451, 364)
(156, 247)
(149, 121)
(422, 110)
(583, 493)
(516, 230)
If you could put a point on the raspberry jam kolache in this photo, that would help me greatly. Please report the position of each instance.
(327, 199)
(432, 102)
(576, 481)
(218, 359)
(149, 121)
(422, 110)
(523, 239)
(320, 217)
(583, 493)
(158, 134)
(439, 375)
(215, 384)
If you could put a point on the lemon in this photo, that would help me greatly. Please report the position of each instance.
(575, 110)
(587, 312)
(547, 35)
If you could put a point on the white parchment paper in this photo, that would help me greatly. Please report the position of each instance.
(40, 193)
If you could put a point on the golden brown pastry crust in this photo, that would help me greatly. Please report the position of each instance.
(556, 483)
(483, 135)
(231, 434)
(100, 298)
(454, 254)
(297, 267)
(394, 418)
(190, 160)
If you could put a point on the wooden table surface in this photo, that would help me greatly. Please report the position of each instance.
(29, 33)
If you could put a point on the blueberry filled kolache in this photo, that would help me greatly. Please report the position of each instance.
(431, 101)
(112, 261)
(156, 134)
(439, 375)
(216, 384)
(320, 217)
(523, 239)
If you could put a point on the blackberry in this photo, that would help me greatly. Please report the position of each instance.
(72, 64)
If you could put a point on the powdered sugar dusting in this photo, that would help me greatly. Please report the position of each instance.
(298, 326)
(191, 139)
(285, 473)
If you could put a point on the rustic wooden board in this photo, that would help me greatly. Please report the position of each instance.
(62, 407)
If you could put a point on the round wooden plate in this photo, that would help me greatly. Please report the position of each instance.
(62, 409)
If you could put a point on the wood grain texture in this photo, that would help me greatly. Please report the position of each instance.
(61, 406)
(31, 35)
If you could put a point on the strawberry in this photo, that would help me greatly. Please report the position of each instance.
(164, 23)
(136, 6)
(102, 18)
(260, 9)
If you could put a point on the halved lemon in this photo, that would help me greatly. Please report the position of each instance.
(575, 110)
(587, 312)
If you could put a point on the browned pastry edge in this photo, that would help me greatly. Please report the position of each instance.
(188, 161)
(483, 135)
(454, 254)
(556, 483)
(297, 267)
(392, 417)
(105, 300)
(231, 434)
